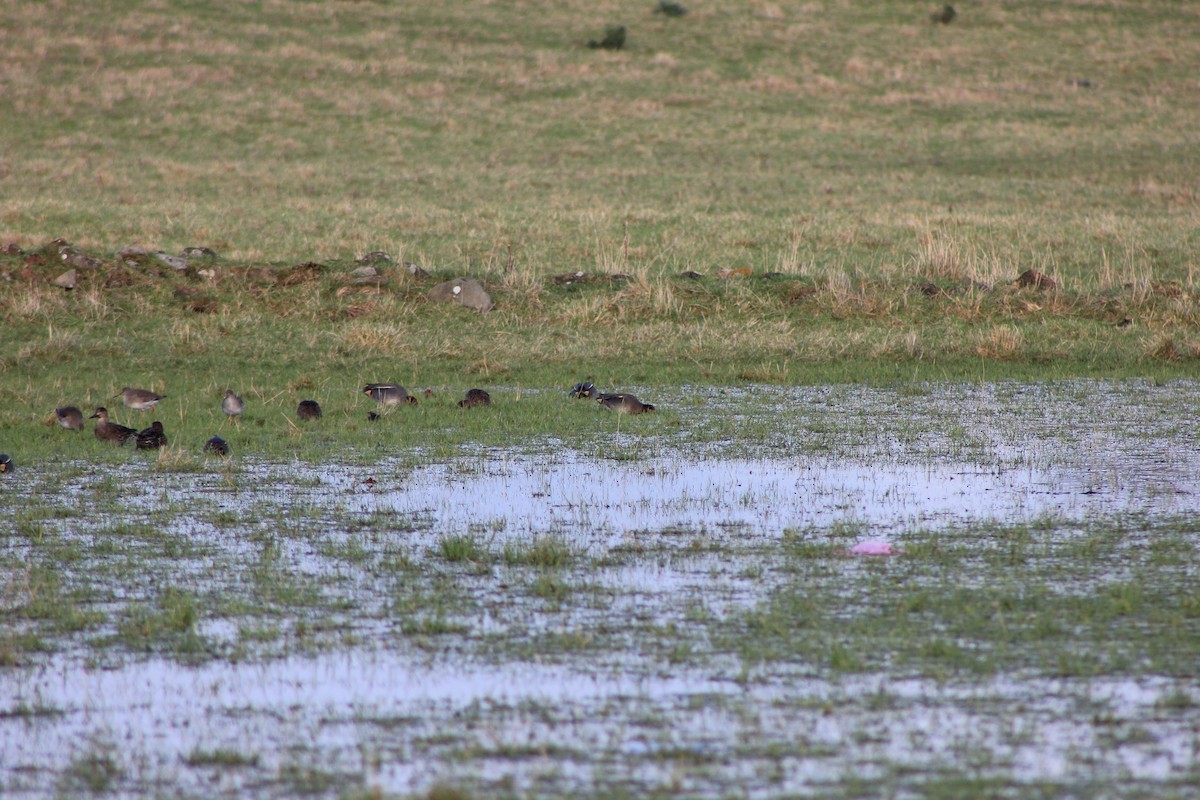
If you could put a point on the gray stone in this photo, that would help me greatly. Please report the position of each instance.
(67, 280)
(464, 291)
(174, 262)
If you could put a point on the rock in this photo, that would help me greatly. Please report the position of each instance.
(174, 262)
(364, 272)
(464, 291)
(133, 255)
(74, 258)
(670, 8)
(1031, 278)
(67, 280)
(568, 278)
(199, 252)
(375, 257)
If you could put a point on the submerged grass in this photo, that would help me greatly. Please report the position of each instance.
(997, 600)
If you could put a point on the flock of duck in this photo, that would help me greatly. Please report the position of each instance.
(384, 394)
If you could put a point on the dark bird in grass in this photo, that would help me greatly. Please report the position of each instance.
(670, 8)
(582, 390)
(70, 418)
(614, 39)
(217, 446)
(139, 399)
(308, 409)
(108, 431)
(624, 403)
(945, 15)
(152, 438)
(475, 397)
(232, 405)
(389, 394)
(6, 464)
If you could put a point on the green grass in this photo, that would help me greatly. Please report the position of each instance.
(855, 153)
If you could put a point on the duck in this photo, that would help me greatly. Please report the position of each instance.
(152, 438)
(308, 409)
(217, 446)
(583, 389)
(6, 464)
(388, 394)
(69, 417)
(624, 403)
(108, 431)
(232, 405)
(945, 15)
(475, 397)
(139, 399)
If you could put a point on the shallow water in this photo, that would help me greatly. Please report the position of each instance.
(621, 683)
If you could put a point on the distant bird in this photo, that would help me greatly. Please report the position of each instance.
(624, 403)
(388, 394)
(6, 464)
(670, 8)
(152, 438)
(217, 446)
(107, 431)
(232, 405)
(308, 409)
(583, 390)
(475, 397)
(139, 399)
(945, 15)
(70, 418)
(614, 39)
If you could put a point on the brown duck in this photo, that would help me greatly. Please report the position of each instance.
(308, 409)
(388, 394)
(152, 438)
(108, 431)
(475, 397)
(69, 417)
(624, 403)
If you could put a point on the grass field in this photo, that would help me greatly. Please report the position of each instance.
(883, 179)
(795, 227)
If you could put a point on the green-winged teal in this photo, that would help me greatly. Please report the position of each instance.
(624, 403)
(583, 389)
(232, 405)
(217, 446)
(388, 394)
(152, 438)
(475, 397)
(108, 431)
(6, 464)
(139, 399)
(69, 417)
(308, 409)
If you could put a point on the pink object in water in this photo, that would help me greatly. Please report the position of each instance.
(874, 549)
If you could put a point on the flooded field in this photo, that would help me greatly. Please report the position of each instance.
(669, 609)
